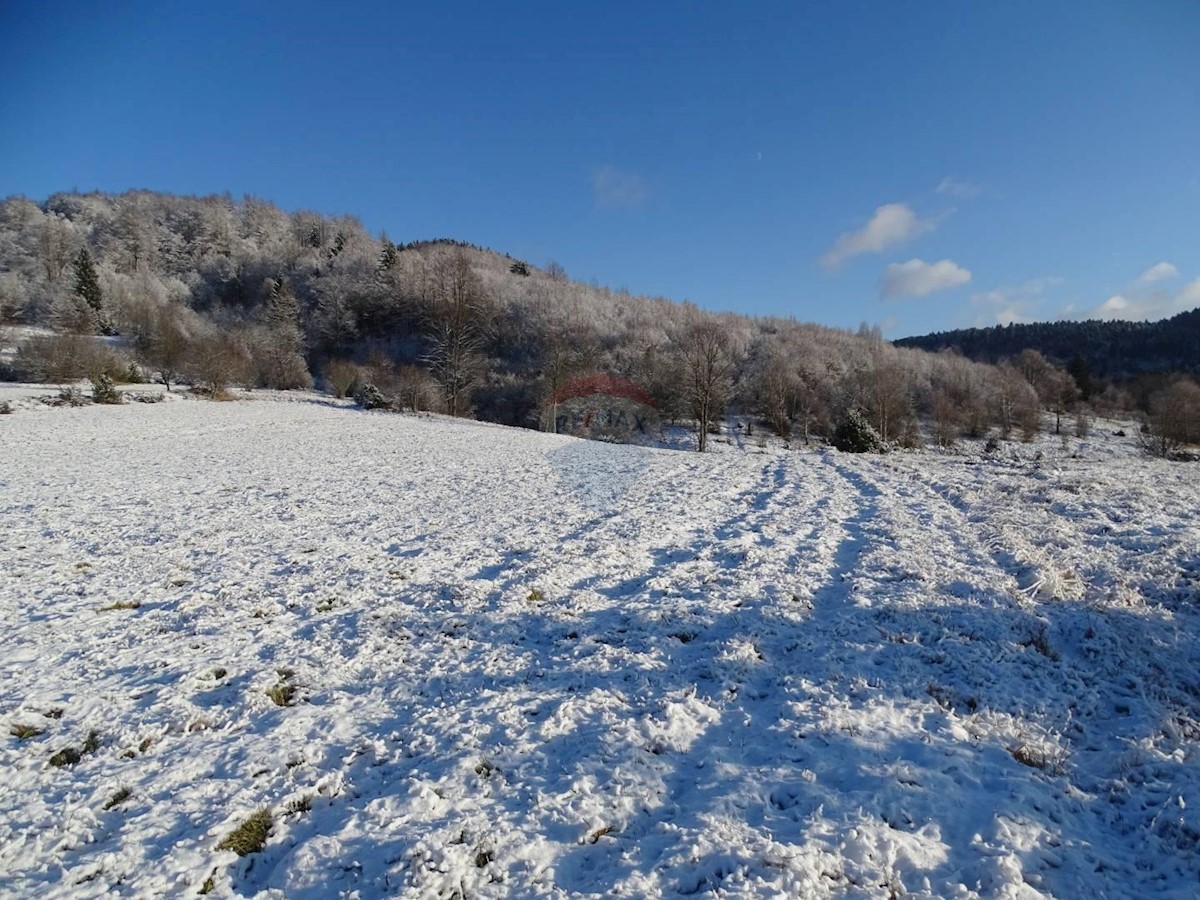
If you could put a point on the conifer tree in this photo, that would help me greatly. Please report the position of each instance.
(87, 284)
(87, 288)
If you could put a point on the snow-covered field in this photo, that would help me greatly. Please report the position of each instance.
(522, 664)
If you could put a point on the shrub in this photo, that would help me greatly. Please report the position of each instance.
(343, 377)
(70, 396)
(370, 397)
(5, 407)
(104, 391)
(854, 434)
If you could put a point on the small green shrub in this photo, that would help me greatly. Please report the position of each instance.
(854, 434)
(24, 732)
(370, 397)
(250, 836)
(5, 408)
(105, 391)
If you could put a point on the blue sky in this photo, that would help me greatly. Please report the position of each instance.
(919, 165)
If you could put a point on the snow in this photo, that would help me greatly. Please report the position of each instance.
(526, 664)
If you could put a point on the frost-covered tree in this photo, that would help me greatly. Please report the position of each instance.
(456, 330)
(709, 359)
(1174, 419)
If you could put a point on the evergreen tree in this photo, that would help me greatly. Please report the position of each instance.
(388, 256)
(87, 289)
(87, 283)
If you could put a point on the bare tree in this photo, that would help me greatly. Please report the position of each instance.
(456, 330)
(170, 344)
(1174, 419)
(709, 362)
(216, 360)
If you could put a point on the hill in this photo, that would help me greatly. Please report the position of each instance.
(215, 292)
(1117, 350)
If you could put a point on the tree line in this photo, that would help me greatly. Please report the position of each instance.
(216, 291)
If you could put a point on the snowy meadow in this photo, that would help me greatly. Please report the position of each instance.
(286, 648)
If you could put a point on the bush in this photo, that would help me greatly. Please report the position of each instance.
(5, 408)
(854, 434)
(104, 391)
(343, 377)
(370, 397)
(58, 358)
(70, 396)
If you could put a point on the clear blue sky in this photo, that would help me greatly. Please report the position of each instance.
(923, 165)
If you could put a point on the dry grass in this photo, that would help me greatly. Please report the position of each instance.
(24, 732)
(250, 836)
(119, 797)
(69, 756)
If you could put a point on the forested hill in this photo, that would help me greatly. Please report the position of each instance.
(1110, 349)
(216, 292)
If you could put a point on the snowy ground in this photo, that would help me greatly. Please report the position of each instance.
(525, 664)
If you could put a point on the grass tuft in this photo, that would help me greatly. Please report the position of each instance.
(121, 604)
(536, 596)
(67, 756)
(250, 836)
(24, 732)
(119, 797)
(282, 694)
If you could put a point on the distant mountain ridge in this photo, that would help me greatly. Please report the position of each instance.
(1110, 349)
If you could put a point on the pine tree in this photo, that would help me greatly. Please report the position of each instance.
(87, 283)
(389, 255)
(87, 288)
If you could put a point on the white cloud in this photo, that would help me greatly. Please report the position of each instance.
(1160, 304)
(916, 278)
(893, 223)
(1162, 271)
(958, 187)
(1010, 304)
(1189, 297)
(614, 189)
(1115, 307)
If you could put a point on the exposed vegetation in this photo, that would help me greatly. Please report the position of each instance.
(23, 732)
(250, 836)
(119, 796)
